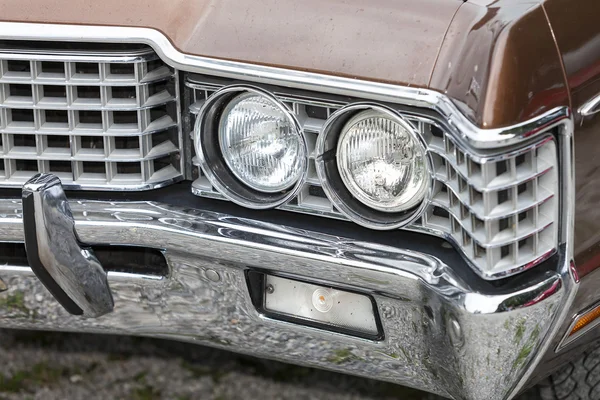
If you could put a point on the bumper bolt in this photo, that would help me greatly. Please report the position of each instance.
(454, 332)
(212, 275)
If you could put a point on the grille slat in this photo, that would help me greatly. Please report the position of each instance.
(77, 109)
(500, 211)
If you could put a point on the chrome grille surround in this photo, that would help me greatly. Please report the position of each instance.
(104, 119)
(499, 209)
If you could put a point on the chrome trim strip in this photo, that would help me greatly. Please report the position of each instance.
(418, 297)
(591, 107)
(97, 158)
(90, 82)
(122, 187)
(121, 56)
(112, 276)
(86, 107)
(425, 98)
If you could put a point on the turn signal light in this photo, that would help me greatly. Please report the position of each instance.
(585, 319)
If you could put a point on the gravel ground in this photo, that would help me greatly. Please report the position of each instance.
(43, 365)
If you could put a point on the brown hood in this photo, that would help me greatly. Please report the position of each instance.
(495, 58)
(500, 64)
(384, 40)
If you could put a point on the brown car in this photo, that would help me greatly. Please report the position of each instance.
(398, 189)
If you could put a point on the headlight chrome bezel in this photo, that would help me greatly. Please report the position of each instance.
(215, 167)
(337, 191)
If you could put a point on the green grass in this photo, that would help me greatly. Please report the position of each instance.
(146, 392)
(40, 374)
(14, 302)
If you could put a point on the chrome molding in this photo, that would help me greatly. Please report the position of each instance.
(205, 298)
(591, 107)
(58, 55)
(464, 129)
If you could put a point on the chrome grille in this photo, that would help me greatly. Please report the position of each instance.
(98, 119)
(500, 211)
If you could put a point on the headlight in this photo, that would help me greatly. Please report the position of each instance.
(373, 166)
(250, 147)
(381, 164)
(260, 143)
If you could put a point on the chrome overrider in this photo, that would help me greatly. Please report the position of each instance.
(71, 273)
(440, 334)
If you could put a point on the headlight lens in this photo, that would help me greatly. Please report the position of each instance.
(260, 143)
(381, 163)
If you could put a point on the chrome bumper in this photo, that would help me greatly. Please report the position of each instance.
(441, 335)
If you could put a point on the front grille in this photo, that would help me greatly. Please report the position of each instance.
(500, 211)
(105, 119)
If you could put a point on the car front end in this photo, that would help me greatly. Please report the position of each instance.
(129, 204)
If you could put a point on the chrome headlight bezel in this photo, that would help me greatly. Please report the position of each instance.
(336, 190)
(216, 168)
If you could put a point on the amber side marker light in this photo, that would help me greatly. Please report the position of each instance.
(585, 319)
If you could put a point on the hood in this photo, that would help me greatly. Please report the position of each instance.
(395, 41)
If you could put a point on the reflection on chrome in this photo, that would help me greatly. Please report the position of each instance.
(414, 293)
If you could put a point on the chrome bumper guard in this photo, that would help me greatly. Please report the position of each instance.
(440, 334)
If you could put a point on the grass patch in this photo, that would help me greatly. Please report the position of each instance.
(40, 374)
(290, 373)
(198, 371)
(14, 302)
(146, 393)
(141, 377)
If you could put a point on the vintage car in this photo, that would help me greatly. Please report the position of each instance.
(398, 189)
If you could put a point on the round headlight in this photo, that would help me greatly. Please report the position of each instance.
(260, 143)
(381, 163)
(373, 166)
(250, 147)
